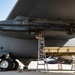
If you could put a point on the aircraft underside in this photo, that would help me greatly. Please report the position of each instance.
(18, 38)
(28, 48)
(24, 48)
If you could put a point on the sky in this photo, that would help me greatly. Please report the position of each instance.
(6, 7)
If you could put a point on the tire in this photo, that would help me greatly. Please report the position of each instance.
(6, 64)
(16, 65)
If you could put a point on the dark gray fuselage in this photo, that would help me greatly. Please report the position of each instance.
(25, 48)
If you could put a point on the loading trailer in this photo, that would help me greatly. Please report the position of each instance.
(59, 51)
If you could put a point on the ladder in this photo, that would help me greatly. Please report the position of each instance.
(41, 54)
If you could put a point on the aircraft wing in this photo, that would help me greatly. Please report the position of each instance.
(23, 8)
(46, 9)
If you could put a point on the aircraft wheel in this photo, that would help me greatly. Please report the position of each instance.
(6, 64)
(15, 65)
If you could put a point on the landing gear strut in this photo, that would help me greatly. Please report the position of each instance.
(15, 65)
(8, 64)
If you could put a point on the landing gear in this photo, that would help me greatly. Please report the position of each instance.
(6, 64)
(15, 65)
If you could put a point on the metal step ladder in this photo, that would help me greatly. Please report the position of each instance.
(41, 54)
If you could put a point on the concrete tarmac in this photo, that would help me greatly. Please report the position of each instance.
(37, 73)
